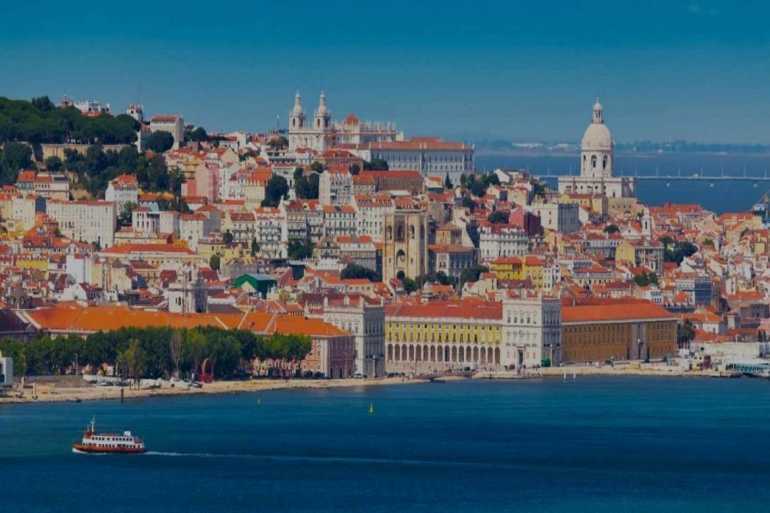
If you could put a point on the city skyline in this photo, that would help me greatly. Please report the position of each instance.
(660, 70)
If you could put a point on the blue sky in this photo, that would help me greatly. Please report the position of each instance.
(524, 70)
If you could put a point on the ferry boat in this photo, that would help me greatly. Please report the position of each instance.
(108, 443)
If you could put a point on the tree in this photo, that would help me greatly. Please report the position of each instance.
(299, 251)
(43, 104)
(53, 164)
(214, 262)
(228, 237)
(685, 333)
(197, 135)
(254, 247)
(494, 179)
(448, 183)
(479, 188)
(355, 271)
(134, 359)
(160, 141)
(317, 167)
(666, 241)
(708, 242)
(175, 346)
(409, 285)
(611, 228)
(124, 217)
(276, 190)
(498, 217)
(468, 203)
(15, 157)
(306, 187)
(473, 273)
(278, 143)
(354, 169)
(644, 279)
(376, 165)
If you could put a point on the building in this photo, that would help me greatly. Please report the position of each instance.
(172, 124)
(428, 155)
(370, 213)
(514, 334)
(364, 319)
(94, 222)
(405, 244)
(451, 259)
(396, 180)
(24, 210)
(559, 217)
(52, 186)
(596, 330)
(335, 187)
(321, 134)
(6, 371)
(597, 161)
(123, 191)
(339, 220)
(500, 240)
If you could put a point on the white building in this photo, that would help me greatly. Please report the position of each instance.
(364, 318)
(370, 212)
(172, 124)
(531, 331)
(24, 209)
(339, 220)
(321, 133)
(498, 240)
(94, 222)
(145, 221)
(560, 217)
(597, 161)
(335, 187)
(193, 228)
(271, 232)
(6, 371)
(122, 191)
(52, 186)
(168, 223)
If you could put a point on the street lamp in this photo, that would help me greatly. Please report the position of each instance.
(76, 364)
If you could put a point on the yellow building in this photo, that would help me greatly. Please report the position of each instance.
(30, 261)
(534, 271)
(507, 268)
(595, 330)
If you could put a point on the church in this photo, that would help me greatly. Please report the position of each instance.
(597, 161)
(321, 134)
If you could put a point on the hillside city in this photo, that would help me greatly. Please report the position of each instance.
(385, 253)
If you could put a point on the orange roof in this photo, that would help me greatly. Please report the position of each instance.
(611, 310)
(463, 308)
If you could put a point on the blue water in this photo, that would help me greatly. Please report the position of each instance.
(723, 196)
(594, 444)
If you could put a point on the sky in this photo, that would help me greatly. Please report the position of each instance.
(518, 70)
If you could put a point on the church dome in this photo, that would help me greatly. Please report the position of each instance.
(597, 136)
(322, 110)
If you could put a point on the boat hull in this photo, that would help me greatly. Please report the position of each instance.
(85, 449)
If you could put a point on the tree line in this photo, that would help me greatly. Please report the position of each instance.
(161, 352)
(40, 122)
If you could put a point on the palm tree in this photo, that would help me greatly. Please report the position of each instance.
(685, 332)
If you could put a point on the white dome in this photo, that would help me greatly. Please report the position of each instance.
(597, 136)
(297, 109)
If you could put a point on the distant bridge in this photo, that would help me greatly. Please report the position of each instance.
(745, 177)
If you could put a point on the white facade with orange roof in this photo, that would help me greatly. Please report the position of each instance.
(123, 190)
(173, 124)
(335, 187)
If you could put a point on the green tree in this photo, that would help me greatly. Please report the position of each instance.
(479, 188)
(376, 165)
(197, 135)
(685, 332)
(448, 183)
(53, 164)
(468, 203)
(498, 217)
(355, 271)
(160, 141)
(278, 143)
(494, 179)
(708, 242)
(299, 251)
(254, 247)
(611, 228)
(276, 190)
(306, 187)
(317, 167)
(354, 169)
(134, 359)
(410, 285)
(124, 217)
(228, 237)
(473, 273)
(214, 262)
